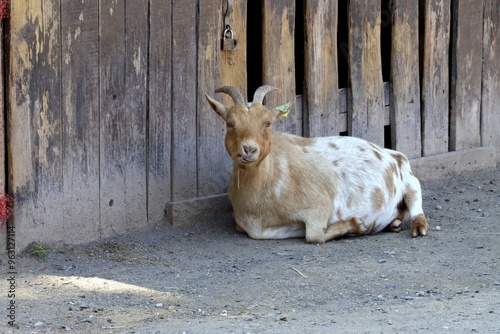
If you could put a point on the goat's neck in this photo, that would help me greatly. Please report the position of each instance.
(254, 177)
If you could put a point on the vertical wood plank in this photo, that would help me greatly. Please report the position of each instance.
(135, 112)
(405, 101)
(80, 116)
(35, 142)
(321, 73)
(233, 63)
(214, 165)
(160, 108)
(112, 96)
(435, 77)
(184, 100)
(278, 59)
(490, 113)
(123, 52)
(366, 112)
(465, 94)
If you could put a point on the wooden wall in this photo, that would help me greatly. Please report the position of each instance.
(107, 124)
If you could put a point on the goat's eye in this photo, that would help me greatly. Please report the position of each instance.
(268, 124)
(230, 125)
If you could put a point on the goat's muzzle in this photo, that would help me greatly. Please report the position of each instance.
(248, 154)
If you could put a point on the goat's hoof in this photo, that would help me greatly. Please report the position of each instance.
(419, 226)
(395, 226)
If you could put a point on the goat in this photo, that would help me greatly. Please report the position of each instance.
(286, 186)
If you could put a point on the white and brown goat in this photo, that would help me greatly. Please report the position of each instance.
(286, 186)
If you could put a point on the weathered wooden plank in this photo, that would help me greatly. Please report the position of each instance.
(278, 58)
(321, 75)
(490, 112)
(135, 112)
(160, 108)
(466, 68)
(35, 162)
(80, 119)
(184, 59)
(435, 77)
(123, 52)
(233, 63)
(214, 165)
(111, 103)
(366, 112)
(405, 93)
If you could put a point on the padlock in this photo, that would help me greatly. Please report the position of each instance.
(228, 41)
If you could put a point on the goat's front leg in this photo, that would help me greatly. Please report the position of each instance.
(352, 226)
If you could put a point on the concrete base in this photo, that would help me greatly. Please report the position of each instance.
(454, 163)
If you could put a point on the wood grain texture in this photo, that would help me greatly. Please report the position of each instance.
(160, 108)
(80, 119)
(35, 132)
(435, 77)
(111, 103)
(279, 59)
(136, 113)
(214, 165)
(184, 100)
(366, 112)
(405, 93)
(490, 97)
(123, 75)
(321, 73)
(233, 63)
(466, 68)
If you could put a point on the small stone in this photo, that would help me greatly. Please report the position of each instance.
(437, 228)
(439, 207)
(421, 293)
(159, 305)
(39, 324)
(496, 283)
(479, 210)
(485, 214)
(409, 298)
(382, 261)
(84, 305)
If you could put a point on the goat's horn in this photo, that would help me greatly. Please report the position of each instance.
(233, 92)
(258, 97)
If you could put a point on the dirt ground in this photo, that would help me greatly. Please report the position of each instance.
(210, 279)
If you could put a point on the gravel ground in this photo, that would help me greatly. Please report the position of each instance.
(208, 278)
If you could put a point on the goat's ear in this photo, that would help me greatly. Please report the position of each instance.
(218, 107)
(283, 110)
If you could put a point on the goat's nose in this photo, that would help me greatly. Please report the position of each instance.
(249, 150)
